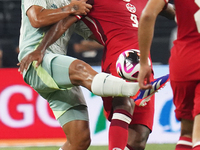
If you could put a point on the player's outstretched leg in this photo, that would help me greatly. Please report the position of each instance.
(101, 84)
(143, 96)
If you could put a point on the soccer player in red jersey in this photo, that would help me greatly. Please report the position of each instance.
(115, 25)
(183, 65)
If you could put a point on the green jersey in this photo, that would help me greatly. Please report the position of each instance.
(30, 37)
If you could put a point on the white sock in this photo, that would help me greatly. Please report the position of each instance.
(105, 84)
(60, 148)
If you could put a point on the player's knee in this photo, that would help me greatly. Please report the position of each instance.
(79, 65)
(81, 73)
(76, 71)
(124, 103)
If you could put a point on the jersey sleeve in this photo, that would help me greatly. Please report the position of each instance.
(29, 3)
(82, 29)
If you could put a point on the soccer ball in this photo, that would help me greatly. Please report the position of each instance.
(128, 65)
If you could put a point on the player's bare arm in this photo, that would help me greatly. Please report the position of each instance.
(145, 36)
(53, 34)
(40, 17)
(87, 45)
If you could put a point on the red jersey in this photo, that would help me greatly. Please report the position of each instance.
(184, 61)
(115, 24)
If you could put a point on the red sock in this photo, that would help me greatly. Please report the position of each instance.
(184, 143)
(196, 147)
(118, 132)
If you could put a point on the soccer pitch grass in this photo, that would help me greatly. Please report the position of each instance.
(148, 147)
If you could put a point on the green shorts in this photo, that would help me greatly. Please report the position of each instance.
(51, 81)
(75, 113)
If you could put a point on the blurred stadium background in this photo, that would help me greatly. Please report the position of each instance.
(22, 124)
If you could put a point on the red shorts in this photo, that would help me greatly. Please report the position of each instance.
(186, 98)
(142, 115)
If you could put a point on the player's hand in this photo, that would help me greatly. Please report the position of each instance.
(144, 76)
(36, 55)
(80, 7)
